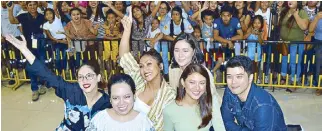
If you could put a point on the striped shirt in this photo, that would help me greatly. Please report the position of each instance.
(165, 96)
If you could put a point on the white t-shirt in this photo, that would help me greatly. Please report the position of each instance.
(152, 34)
(102, 121)
(266, 15)
(141, 107)
(54, 27)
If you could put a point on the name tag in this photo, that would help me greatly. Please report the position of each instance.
(34, 44)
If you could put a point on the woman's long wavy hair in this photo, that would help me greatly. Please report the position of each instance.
(291, 20)
(205, 100)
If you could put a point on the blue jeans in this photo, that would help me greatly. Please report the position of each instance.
(40, 54)
(74, 63)
(163, 45)
(318, 61)
(60, 49)
(295, 68)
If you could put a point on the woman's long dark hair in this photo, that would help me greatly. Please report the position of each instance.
(99, 12)
(62, 15)
(261, 19)
(291, 20)
(178, 9)
(124, 6)
(205, 100)
(143, 14)
(236, 13)
(198, 57)
(94, 66)
(50, 10)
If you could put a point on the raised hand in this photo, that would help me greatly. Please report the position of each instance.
(127, 22)
(17, 43)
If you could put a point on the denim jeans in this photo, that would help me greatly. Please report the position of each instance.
(295, 68)
(60, 62)
(318, 60)
(165, 49)
(40, 54)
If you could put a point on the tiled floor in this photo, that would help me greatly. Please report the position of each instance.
(19, 113)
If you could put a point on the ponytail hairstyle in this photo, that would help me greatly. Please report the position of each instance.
(178, 9)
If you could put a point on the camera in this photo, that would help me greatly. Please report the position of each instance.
(9, 4)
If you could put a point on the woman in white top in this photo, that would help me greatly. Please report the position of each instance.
(122, 117)
(55, 31)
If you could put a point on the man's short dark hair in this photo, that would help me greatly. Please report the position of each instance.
(241, 61)
(226, 8)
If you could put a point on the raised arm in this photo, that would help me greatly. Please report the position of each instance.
(119, 13)
(124, 44)
(12, 19)
(314, 22)
(155, 10)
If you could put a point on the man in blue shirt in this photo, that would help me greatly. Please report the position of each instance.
(253, 108)
(32, 23)
(226, 30)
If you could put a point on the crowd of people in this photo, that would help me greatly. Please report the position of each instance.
(155, 93)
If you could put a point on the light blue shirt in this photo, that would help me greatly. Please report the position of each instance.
(177, 28)
(318, 30)
(6, 26)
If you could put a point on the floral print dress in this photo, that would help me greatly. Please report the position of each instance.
(77, 114)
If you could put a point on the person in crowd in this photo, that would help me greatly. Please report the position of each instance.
(140, 29)
(164, 16)
(308, 68)
(82, 100)
(122, 117)
(80, 28)
(119, 7)
(265, 11)
(254, 52)
(177, 25)
(95, 15)
(63, 12)
(152, 92)
(82, 5)
(205, 21)
(194, 98)
(55, 32)
(294, 21)
(154, 35)
(251, 7)
(32, 23)
(227, 29)
(242, 14)
(316, 28)
(185, 50)
(190, 8)
(246, 106)
(8, 28)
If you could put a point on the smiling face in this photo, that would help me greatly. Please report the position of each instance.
(239, 4)
(122, 98)
(149, 68)
(137, 13)
(32, 7)
(119, 5)
(195, 85)
(49, 16)
(155, 24)
(238, 81)
(163, 9)
(257, 24)
(88, 79)
(183, 53)
(76, 15)
(93, 4)
(213, 5)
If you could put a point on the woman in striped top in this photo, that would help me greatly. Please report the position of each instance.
(152, 91)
